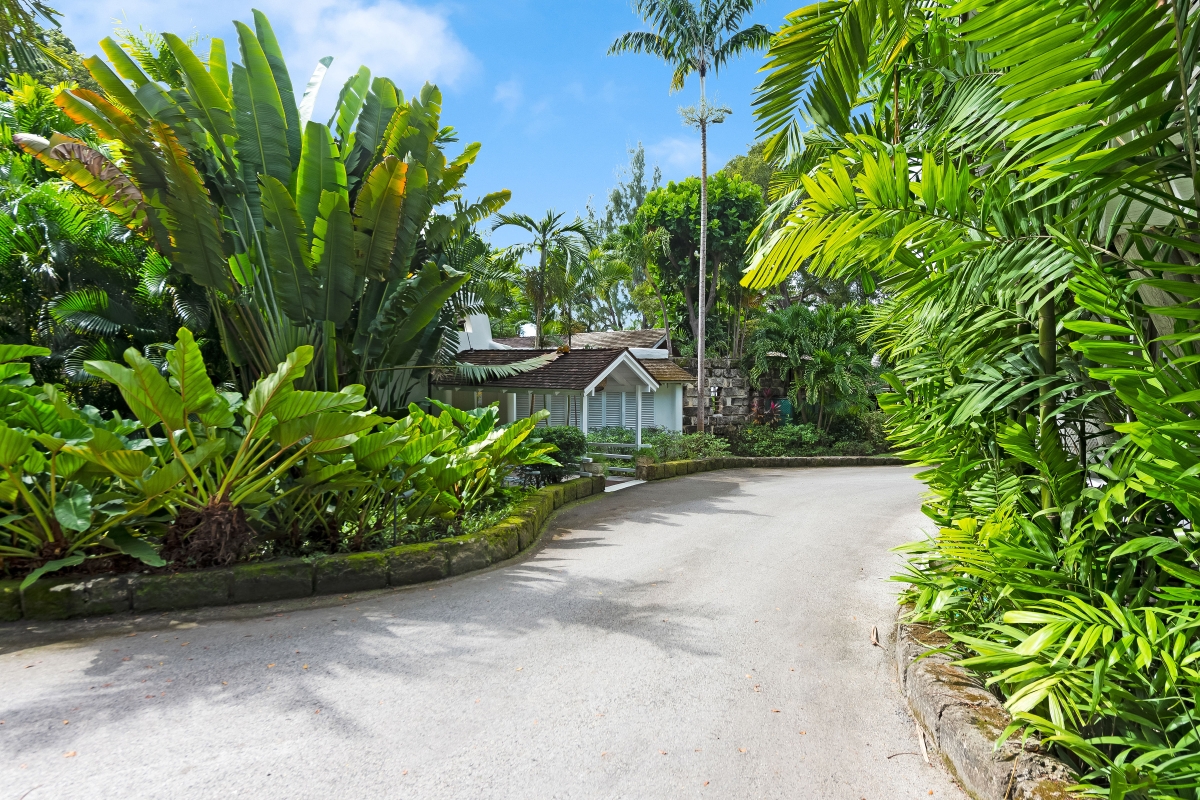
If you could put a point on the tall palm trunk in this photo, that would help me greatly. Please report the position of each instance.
(701, 398)
(539, 311)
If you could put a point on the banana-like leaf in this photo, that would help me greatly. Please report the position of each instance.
(270, 47)
(333, 260)
(11, 352)
(259, 118)
(302, 403)
(321, 170)
(288, 252)
(92, 172)
(189, 374)
(145, 390)
(378, 109)
(126, 67)
(377, 214)
(349, 104)
(197, 243)
(272, 389)
(210, 99)
(309, 100)
(218, 66)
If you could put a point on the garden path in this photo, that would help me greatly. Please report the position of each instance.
(708, 636)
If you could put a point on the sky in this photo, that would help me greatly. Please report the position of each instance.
(529, 79)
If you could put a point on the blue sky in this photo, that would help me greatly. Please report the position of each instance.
(529, 79)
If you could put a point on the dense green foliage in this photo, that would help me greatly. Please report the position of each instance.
(664, 445)
(735, 206)
(826, 369)
(338, 236)
(1018, 179)
(203, 476)
(571, 446)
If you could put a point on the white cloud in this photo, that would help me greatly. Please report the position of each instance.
(676, 154)
(509, 94)
(408, 43)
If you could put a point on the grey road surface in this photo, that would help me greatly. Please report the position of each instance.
(704, 637)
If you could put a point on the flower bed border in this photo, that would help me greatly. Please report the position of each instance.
(672, 469)
(963, 721)
(289, 578)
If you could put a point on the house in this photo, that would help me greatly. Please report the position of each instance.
(590, 386)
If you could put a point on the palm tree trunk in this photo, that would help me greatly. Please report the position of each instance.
(540, 300)
(701, 398)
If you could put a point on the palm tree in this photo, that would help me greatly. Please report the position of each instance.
(695, 36)
(572, 283)
(550, 233)
(611, 273)
(818, 353)
(638, 246)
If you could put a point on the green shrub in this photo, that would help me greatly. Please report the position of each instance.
(225, 477)
(767, 441)
(572, 446)
(613, 434)
(675, 446)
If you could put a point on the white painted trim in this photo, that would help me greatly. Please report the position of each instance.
(625, 358)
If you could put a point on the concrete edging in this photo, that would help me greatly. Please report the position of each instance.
(963, 721)
(671, 469)
(288, 578)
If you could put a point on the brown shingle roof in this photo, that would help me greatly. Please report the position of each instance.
(665, 370)
(573, 370)
(649, 337)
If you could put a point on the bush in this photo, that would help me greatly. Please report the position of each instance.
(674, 446)
(613, 434)
(195, 484)
(766, 441)
(572, 446)
(866, 427)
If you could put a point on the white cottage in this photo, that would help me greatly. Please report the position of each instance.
(587, 386)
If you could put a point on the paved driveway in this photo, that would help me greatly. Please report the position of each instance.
(707, 636)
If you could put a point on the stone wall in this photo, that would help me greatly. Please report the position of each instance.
(735, 394)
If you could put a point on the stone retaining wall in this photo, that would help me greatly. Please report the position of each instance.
(963, 721)
(671, 469)
(283, 579)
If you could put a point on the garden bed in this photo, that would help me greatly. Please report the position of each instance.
(671, 469)
(287, 578)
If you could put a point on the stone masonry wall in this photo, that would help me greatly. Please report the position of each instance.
(735, 395)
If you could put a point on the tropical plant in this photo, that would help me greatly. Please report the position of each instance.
(826, 369)
(570, 444)
(641, 247)
(550, 236)
(60, 509)
(1019, 180)
(675, 209)
(299, 231)
(23, 45)
(696, 37)
(666, 445)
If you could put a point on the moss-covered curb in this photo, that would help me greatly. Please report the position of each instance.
(963, 721)
(284, 579)
(671, 469)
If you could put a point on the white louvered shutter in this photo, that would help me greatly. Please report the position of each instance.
(595, 412)
(558, 409)
(612, 409)
(647, 410)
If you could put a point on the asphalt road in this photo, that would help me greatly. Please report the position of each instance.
(708, 636)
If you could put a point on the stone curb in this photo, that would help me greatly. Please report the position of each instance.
(671, 469)
(963, 721)
(288, 578)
